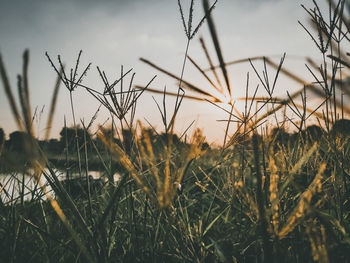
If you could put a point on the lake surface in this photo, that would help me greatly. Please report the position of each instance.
(13, 185)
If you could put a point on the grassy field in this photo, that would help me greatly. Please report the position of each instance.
(265, 195)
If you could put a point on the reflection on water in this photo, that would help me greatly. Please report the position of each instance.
(15, 186)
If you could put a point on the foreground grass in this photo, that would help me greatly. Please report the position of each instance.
(264, 196)
(216, 218)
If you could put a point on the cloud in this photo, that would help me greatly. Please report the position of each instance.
(115, 32)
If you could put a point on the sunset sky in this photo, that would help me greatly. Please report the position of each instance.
(115, 33)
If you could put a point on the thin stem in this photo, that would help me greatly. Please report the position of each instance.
(227, 127)
(76, 132)
(182, 74)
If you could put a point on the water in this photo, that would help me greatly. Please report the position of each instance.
(14, 184)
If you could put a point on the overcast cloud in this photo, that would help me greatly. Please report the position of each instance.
(113, 33)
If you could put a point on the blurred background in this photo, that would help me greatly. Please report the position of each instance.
(115, 33)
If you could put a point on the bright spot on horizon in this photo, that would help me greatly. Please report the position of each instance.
(114, 33)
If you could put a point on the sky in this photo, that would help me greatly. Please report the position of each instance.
(115, 33)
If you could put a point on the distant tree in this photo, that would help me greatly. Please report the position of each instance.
(67, 137)
(19, 141)
(2, 140)
(279, 137)
(164, 138)
(25, 147)
(2, 135)
(54, 146)
(341, 127)
(313, 133)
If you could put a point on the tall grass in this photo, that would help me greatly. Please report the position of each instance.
(263, 196)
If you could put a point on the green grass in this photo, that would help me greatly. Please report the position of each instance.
(263, 196)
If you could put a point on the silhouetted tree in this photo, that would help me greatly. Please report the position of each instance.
(19, 141)
(51, 146)
(164, 139)
(341, 127)
(2, 135)
(279, 137)
(2, 140)
(54, 146)
(67, 137)
(313, 133)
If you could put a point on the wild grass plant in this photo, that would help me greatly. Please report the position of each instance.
(263, 196)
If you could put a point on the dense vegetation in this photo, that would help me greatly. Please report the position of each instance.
(265, 195)
(61, 152)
